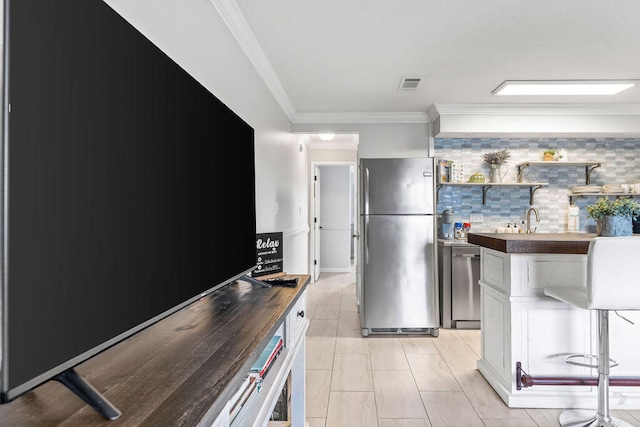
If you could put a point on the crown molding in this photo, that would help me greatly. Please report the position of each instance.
(535, 109)
(333, 145)
(326, 145)
(360, 118)
(432, 113)
(305, 139)
(234, 19)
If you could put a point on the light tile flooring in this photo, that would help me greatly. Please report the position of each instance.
(399, 381)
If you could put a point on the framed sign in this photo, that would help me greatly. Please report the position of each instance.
(268, 254)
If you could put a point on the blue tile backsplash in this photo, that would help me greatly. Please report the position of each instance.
(620, 159)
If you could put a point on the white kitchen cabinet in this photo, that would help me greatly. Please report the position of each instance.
(288, 369)
(521, 324)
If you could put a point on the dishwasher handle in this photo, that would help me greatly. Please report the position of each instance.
(469, 252)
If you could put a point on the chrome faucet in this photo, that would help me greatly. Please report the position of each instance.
(529, 220)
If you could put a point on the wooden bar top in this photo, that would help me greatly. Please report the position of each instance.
(180, 371)
(540, 243)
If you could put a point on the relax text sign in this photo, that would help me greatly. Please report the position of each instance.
(268, 253)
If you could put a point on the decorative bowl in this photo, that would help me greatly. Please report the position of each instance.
(476, 178)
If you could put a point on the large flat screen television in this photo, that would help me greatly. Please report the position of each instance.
(128, 188)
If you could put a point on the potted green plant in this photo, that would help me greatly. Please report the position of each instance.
(549, 155)
(614, 216)
(495, 160)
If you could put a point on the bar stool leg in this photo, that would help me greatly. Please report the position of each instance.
(585, 418)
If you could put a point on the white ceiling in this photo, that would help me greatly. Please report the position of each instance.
(327, 57)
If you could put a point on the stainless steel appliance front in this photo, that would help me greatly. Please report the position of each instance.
(465, 289)
(397, 246)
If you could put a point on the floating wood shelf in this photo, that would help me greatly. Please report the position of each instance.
(533, 187)
(588, 167)
(574, 196)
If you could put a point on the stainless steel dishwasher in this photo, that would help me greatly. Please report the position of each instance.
(458, 284)
(465, 290)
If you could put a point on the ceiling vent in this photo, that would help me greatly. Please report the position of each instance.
(409, 83)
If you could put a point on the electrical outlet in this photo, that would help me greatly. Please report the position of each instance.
(475, 218)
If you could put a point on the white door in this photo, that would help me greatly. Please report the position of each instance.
(336, 217)
(316, 223)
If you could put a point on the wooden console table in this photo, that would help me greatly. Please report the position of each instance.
(182, 370)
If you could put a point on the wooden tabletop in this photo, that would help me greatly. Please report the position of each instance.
(542, 243)
(177, 372)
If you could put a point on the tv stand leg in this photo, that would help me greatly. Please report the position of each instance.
(85, 391)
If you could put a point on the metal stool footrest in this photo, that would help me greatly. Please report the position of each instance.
(568, 360)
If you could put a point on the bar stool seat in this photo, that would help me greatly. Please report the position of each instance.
(613, 283)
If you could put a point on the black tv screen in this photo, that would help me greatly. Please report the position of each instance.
(128, 188)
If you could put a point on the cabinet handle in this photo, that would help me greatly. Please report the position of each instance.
(301, 313)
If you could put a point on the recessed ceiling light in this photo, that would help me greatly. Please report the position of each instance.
(562, 87)
(327, 136)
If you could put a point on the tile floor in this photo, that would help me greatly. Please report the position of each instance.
(399, 381)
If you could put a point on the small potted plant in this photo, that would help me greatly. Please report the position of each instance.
(549, 155)
(614, 217)
(495, 159)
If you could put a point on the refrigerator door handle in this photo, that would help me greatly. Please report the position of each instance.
(366, 240)
(365, 195)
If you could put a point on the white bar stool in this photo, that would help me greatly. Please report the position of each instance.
(613, 283)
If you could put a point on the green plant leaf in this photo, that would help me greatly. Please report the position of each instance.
(614, 207)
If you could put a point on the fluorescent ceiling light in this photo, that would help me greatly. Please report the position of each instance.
(326, 136)
(562, 87)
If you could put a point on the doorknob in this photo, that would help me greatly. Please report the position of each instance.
(356, 235)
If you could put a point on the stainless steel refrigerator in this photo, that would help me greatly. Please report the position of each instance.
(398, 292)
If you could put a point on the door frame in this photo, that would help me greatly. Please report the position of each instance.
(354, 201)
(315, 252)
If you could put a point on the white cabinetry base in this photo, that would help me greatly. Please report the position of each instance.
(521, 324)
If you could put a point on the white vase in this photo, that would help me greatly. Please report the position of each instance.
(494, 173)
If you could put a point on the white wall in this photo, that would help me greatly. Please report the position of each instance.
(332, 156)
(192, 33)
(535, 120)
(380, 139)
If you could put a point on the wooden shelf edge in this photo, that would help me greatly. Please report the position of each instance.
(556, 163)
(493, 184)
(603, 194)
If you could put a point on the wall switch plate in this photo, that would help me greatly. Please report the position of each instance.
(475, 217)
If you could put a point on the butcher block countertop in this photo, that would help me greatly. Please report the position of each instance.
(540, 243)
